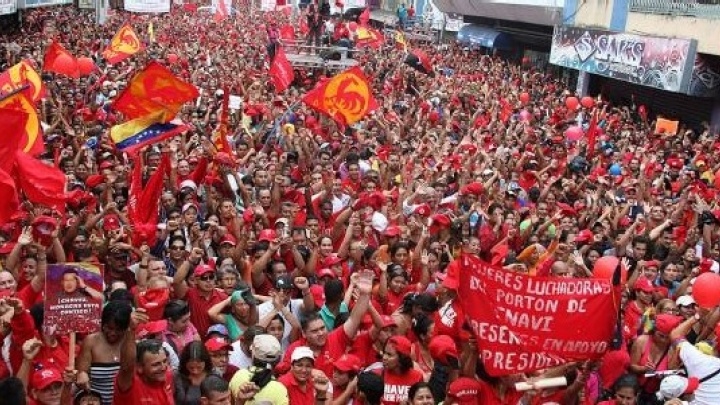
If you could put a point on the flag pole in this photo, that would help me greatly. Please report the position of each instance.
(273, 134)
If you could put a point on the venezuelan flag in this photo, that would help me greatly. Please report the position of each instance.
(140, 132)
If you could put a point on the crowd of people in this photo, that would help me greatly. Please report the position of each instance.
(308, 265)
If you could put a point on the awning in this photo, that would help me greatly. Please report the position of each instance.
(385, 17)
(477, 35)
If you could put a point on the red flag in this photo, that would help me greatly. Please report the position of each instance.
(32, 140)
(154, 89)
(346, 98)
(592, 135)
(124, 44)
(59, 60)
(41, 184)
(364, 17)
(281, 72)
(287, 32)
(221, 10)
(369, 37)
(9, 197)
(22, 76)
(14, 130)
(143, 200)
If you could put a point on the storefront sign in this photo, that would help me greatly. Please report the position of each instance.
(8, 6)
(86, 4)
(42, 3)
(662, 63)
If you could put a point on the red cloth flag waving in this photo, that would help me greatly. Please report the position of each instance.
(41, 184)
(592, 135)
(32, 140)
(346, 98)
(59, 60)
(22, 76)
(14, 130)
(281, 72)
(154, 89)
(124, 44)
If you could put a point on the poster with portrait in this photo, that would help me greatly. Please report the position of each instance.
(73, 298)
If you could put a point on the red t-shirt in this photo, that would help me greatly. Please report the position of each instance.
(363, 348)
(199, 307)
(398, 385)
(145, 393)
(488, 396)
(449, 320)
(336, 345)
(295, 394)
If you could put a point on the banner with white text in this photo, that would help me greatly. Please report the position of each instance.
(525, 323)
(73, 298)
(147, 6)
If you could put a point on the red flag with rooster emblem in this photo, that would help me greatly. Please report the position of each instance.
(31, 141)
(123, 45)
(346, 98)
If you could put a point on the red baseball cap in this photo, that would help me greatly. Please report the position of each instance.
(665, 323)
(202, 269)
(332, 260)
(392, 231)
(151, 328)
(465, 391)
(111, 222)
(217, 343)
(268, 235)
(348, 363)
(643, 284)
(402, 344)
(41, 379)
(229, 239)
(388, 321)
(442, 347)
(423, 210)
(318, 293)
(585, 235)
(325, 272)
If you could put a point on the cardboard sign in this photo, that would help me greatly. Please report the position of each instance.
(73, 298)
(666, 127)
(525, 323)
(235, 102)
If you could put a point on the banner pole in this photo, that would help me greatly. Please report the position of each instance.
(71, 352)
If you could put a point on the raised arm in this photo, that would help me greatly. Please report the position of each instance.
(364, 286)
(128, 351)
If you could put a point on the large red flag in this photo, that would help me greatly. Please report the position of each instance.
(32, 139)
(41, 184)
(346, 98)
(59, 60)
(143, 200)
(9, 197)
(221, 141)
(14, 130)
(281, 72)
(152, 90)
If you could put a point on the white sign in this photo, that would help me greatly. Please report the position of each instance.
(43, 3)
(268, 5)
(86, 4)
(234, 102)
(8, 6)
(147, 6)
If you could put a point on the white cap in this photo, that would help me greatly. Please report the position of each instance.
(302, 352)
(188, 183)
(283, 221)
(266, 348)
(685, 301)
(674, 386)
(379, 221)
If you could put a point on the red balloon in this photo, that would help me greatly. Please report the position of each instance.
(605, 268)
(587, 102)
(86, 66)
(572, 103)
(574, 133)
(353, 26)
(172, 58)
(524, 97)
(706, 290)
(66, 65)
